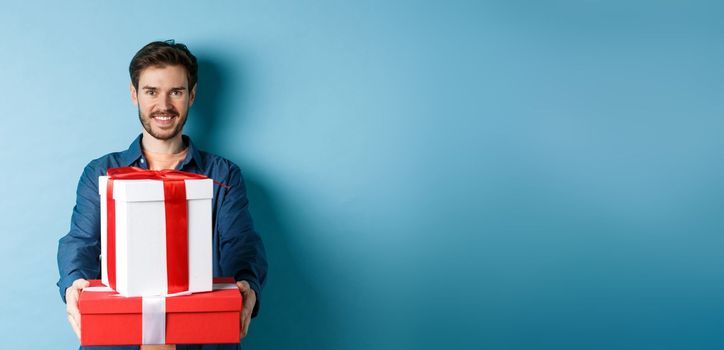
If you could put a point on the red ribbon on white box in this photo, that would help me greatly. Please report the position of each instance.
(176, 209)
(153, 313)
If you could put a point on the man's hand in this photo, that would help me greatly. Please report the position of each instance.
(71, 301)
(249, 300)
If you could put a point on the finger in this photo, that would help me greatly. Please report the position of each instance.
(247, 306)
(80, 283)
(75, 315)
(242, 325)
(72, 305)
(243, 286)
(249, 297)
(248, 294)
(72, 295)
(71, 298)
(246, 311)
(74, 325)
(249, 302)
(246, 324)
(246, 314)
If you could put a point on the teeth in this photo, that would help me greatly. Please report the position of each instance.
(163, 118)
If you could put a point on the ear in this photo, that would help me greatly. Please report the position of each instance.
(134, 94)
(192, 95)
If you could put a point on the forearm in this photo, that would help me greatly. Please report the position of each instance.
(244, 258)
(77, 258)
(79, 250)
(242, 253)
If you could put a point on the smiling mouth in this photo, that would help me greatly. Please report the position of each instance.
(164, 120)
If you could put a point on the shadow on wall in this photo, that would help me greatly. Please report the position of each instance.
(292, 315)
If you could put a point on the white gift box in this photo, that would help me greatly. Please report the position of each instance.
(140, 236)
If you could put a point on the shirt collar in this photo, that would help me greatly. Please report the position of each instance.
(134, 153)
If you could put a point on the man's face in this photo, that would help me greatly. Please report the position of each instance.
(163, 99)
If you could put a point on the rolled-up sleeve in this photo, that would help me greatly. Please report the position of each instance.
(242, 252)
(79, 250)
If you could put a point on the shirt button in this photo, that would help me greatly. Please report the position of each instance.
(142, 161)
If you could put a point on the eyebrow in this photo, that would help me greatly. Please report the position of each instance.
(155, 88)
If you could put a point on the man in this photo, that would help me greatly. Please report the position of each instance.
(163, 87)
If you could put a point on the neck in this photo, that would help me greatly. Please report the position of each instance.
(152, 144)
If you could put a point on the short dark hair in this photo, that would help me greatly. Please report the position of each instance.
(162, 54)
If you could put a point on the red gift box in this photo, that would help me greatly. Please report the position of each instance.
(200, 318)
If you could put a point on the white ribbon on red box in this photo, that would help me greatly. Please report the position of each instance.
(154, 312)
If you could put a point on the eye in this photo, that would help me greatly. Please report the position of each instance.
(150, 92)
(177, 93)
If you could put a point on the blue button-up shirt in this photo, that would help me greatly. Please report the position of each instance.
(238, 250)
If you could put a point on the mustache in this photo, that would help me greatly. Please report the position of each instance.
(168, 112)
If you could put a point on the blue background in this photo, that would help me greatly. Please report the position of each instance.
(433, 174)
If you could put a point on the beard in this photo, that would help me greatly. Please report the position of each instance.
(162, 134)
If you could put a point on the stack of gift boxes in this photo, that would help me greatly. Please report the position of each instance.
(157, 285)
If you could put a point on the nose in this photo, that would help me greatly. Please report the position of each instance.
(164, 103)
